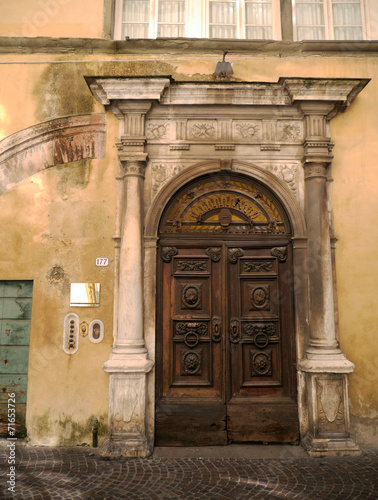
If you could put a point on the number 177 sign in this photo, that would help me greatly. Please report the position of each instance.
(102, 261)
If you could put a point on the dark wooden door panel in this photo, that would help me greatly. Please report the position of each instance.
(191, 425)
(263, 420)
(226, 347)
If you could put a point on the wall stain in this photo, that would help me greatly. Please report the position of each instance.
(58, 278)
(74, 433)
(75, 175)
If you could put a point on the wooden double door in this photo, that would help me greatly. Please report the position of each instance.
(225, 365)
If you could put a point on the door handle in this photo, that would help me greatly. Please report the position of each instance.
(216, 331)
(234, 331)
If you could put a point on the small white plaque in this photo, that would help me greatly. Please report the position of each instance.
(102, 261)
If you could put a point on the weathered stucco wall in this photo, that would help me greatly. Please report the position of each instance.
(55, 223)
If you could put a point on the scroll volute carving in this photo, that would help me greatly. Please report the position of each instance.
(167, 253)
(280, 253)
(234, 254)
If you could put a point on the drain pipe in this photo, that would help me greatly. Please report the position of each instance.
(94, 433)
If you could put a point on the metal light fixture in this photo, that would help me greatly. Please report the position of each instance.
(224, 68)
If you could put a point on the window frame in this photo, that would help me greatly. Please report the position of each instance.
(202, 29)
(329, 26)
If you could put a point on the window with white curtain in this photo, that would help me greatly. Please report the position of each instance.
(244, 19)
(329, 20)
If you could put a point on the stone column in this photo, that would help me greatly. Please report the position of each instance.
(128, 364)
(325, 366)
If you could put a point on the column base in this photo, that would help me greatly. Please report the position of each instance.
(330, 447)
(327, 405)
(127, 406)
(122, 446)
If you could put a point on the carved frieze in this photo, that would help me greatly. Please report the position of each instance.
(258, 266)
(191, 265)
(290, 131)
(247, 130)
(201, 130)
(157, 129)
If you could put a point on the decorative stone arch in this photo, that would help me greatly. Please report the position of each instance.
(299, 242)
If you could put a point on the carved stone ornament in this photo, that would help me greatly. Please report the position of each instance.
(190, 362)
(136, 168)
(157, 130)
(191, 296)
(202, 130)
(280, 253)
(167, 253)
(234, 254)
(214, 253)
(311, 171)
(261, 363)
(330, 402)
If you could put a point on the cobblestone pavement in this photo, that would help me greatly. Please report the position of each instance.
(80, 473)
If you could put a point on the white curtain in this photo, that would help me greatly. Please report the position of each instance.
(347, 20)
(171, 18)
(258, 19)
(311, 20)
(222, 19)
(135, 18)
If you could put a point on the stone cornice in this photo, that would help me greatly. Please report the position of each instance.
(337, 93)
(256, 48)
(110, 89)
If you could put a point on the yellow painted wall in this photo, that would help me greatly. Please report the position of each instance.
(66, 392)
(55, 18)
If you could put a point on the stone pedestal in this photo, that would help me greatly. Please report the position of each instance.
(127, 407)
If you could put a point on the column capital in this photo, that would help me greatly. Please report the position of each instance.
(134, 167)
(315, 169)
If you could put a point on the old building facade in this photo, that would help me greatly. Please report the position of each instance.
(187, 257)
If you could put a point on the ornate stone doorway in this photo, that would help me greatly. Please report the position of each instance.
(225, 366)
(279, 135)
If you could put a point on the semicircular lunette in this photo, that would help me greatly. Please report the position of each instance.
(224, 204)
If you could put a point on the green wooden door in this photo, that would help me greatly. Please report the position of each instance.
(15, 315)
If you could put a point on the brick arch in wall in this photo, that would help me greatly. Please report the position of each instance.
(51, 143)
